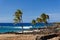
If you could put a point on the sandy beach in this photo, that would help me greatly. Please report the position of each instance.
(17, 37)
(22, 37)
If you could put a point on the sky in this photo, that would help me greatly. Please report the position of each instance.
(31, 9)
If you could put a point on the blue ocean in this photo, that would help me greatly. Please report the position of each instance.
(11, 27)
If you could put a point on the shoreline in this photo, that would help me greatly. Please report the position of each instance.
(24, 36)
(31, 35)
(17, 37)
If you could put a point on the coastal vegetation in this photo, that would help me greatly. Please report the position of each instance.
(42, 19)
(18, 17)
(39, 20)
(33, 22)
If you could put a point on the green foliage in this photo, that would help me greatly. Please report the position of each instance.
(44, 17)
(39, 20)
(18, 16)
(33, 22)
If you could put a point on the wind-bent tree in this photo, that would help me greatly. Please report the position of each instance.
(44, 18)
(33, 22)
(18, 17)
(39, 20)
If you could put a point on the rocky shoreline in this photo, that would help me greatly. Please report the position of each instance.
(47, 33)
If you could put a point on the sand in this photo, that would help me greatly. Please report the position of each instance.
(22, 37)
(17, 37)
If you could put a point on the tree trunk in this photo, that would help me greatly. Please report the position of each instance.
(22, 25)
(22, 29)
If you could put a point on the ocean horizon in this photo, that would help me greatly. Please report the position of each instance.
(11, 27)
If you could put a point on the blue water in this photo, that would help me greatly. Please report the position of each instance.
(9, 27)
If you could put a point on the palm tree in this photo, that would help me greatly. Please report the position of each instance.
(39, 20)
(47, 16)
(18, 17)
(34, 23)
(44, 18)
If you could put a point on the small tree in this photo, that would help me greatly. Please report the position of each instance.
(18, 17)
(34, 23)
(39, 20)
(44, 17)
